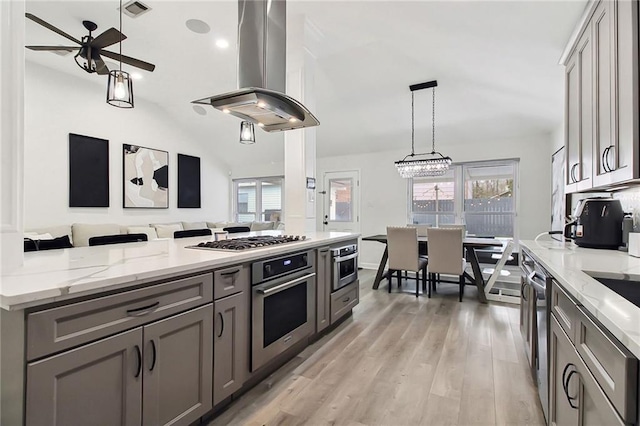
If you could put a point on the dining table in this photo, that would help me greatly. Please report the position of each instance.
(470, 245)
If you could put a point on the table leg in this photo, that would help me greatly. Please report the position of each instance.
(380, 273)
(472, 257)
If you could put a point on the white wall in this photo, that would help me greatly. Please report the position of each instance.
(57, 104)
(383, 193)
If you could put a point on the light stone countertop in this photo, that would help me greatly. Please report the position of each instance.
(566, 262)
(54, 275)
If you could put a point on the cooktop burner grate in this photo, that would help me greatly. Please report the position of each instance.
(246, 243)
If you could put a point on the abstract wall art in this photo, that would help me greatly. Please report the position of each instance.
(145, 177)
(558, 202)
(88, 171)
(188, 181)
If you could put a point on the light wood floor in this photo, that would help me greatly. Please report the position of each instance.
(403, 361)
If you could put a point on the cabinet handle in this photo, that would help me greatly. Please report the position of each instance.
(153, 360)
(566, 390)
(222, 322)
(145, 310)
(139, 355)
(572, 173)
(605, 160)
(522, 291)
(345, 300)
(226, 274)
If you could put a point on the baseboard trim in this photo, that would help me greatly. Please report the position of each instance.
(373, 266)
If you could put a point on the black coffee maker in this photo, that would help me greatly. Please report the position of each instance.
(597, 224)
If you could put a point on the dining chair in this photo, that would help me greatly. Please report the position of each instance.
(105, 240)
(446, 255)
(402, 246)
(192, 233)
(456, 226)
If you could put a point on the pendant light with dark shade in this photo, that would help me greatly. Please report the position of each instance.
(120, 85)
(437, 164)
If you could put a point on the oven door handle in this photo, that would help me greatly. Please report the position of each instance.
(345, 258)
(276, 288)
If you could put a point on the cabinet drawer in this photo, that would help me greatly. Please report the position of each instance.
(564, 309)
(613, 366)
(56, 329)
(230, 281)
(343, 300)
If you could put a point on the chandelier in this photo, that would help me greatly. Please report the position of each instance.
(432, 163)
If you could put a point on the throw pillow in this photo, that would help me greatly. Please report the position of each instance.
(166, 231)
(151, 232)
(187, 226)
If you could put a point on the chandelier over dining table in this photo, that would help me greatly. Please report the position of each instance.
(427, 164)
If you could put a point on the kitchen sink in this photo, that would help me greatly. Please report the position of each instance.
(627, 286)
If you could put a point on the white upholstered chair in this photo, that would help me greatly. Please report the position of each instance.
(456, 226)
(402, 244)
(445, 254)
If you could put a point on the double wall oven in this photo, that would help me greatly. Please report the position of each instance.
(283, 304)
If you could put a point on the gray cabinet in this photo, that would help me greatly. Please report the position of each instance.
(344, 300)
(177, 385)
(323, 289)
(231, 345)
(601, 91)
(96, 384)
(158, 374)
(575, 397)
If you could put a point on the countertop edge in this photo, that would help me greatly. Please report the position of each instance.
(33, 299)
(626, 337)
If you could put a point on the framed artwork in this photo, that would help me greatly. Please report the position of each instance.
(88, 171)
(145, 173)
(558, 203)
(188, 181)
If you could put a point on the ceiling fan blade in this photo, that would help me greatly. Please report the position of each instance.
(101, 67)
(67, 48)
(129, 60)
(47, 25)
(107, 38)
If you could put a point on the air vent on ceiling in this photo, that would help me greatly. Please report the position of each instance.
(135, 8)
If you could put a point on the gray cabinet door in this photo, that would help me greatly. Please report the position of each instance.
(585, 68)
(323, 289)
(593, 406)
(231, 345)
(572, 123)
(562, 361)
(177, 368)
(95, 384)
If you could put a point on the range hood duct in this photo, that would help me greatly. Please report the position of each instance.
(262, 35)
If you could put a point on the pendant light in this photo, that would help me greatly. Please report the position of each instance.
(120, 85)
(437, 164)
(247, 133)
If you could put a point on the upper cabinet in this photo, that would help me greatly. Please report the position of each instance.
(601, 93)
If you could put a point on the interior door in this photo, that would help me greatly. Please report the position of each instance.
(341, 201)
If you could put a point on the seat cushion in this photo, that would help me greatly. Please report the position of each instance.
(54, 231)
(83, 231)
(149, 231)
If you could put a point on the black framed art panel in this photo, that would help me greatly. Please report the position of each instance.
(188, 181)
(88, 171)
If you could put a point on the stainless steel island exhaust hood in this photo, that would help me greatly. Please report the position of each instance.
(261, 99)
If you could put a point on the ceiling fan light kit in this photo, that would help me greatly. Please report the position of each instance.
(436, 164)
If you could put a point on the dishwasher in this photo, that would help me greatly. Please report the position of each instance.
(538, 283)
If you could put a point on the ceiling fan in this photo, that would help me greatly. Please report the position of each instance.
(90, 52)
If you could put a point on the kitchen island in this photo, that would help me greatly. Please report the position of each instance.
(151, 332)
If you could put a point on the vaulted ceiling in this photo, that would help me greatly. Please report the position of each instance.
(496, 63)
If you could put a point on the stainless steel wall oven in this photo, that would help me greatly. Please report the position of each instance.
(283, 304)
(345, 266)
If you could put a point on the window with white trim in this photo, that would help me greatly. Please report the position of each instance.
(259, 199)
(481, 195)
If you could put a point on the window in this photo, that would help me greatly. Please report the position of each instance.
(481, 195)
(258, 199)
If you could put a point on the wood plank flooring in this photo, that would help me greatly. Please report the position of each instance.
(403, 361)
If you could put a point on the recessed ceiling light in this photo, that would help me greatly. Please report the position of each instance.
(260, 124)
(226, 111)
(222, 43)
(198, 26)
(262, 104)
(136, 76)
(293, 120)
(199, 110)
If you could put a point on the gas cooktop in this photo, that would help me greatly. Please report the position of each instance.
(248, 243)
